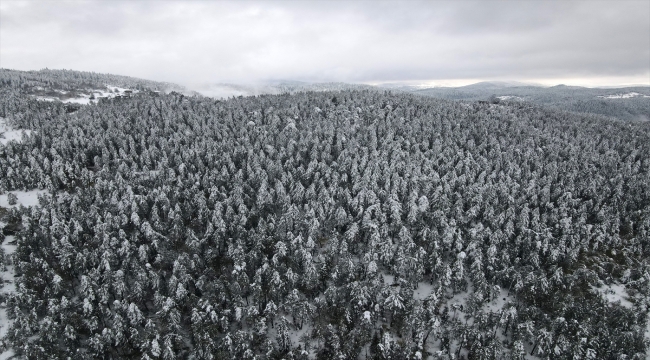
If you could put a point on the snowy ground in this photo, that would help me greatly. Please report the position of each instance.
(624, 96)
(510, 97)
(25, 198)
(498, 303)
(616, 294)
(457, 306)
(84, 96)
(423, 290)
(8, 134)
(295, 335)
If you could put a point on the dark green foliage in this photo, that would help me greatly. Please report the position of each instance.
(277, 226)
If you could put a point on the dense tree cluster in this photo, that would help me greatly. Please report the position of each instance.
(561, 97)
(287, 226)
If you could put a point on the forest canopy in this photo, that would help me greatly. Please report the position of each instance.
(329, 225)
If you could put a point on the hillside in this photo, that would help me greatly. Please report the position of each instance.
(329, 225)
(629, 103)
(224, 91)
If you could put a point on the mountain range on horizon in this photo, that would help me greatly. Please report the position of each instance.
(406, 85)
(624, 103)
(279, 86)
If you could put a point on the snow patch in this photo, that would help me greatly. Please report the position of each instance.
(616, 294)
(510, 97)
(498, 303)
(423, 290)
(24, 198)
(45, 98)
(388, 279)
(83, 100)
(13, 135)
(458, 303)
(624, 96)
(366, 316)
(90, 96)
(7, 133)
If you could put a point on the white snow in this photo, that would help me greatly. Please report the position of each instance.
(388, 279)
(25, 198)
(84, 98)
(457, 307)
(457, 301)
(117, 89)
(499, 302)
(45, 98)
(366, 316)
(616, 294)
(295, 335)
(13, 135)
(624, 96)
(510, 97)
(7, 133)
(423, 290)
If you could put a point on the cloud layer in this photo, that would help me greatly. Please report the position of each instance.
(593, 42)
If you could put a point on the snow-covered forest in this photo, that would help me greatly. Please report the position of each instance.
(352, 224)
(628, 104)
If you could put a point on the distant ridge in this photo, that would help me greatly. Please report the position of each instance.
(226, 90)
(65, 79)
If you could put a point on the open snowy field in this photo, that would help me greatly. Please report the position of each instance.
(7, 133)
(88, 96)
(24, 198)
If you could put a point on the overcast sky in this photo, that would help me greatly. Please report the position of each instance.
(592, 43)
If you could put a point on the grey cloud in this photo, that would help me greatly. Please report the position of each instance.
(198, 41)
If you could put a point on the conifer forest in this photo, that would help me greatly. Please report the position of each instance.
(344, 224)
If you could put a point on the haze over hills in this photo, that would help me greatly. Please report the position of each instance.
(410, 86)
(625, 103)
(225, 90)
